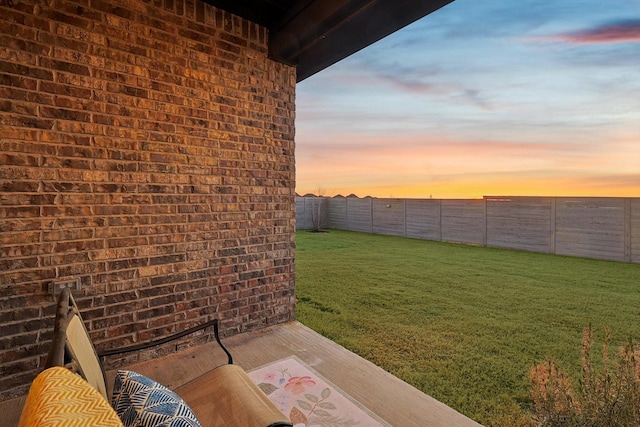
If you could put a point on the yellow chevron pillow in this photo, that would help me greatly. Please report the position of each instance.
(60, 398)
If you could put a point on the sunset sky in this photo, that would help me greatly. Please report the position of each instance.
(493, 97)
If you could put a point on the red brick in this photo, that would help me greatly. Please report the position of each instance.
(144, 171)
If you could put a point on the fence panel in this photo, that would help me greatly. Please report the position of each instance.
(303, 221)
(520, 223)
(337, 213)
(463, 221)
(423, 219)
(591, 227)
(388, 216)
(634, 230)
(359, 214)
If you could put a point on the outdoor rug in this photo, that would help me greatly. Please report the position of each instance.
(308, 398)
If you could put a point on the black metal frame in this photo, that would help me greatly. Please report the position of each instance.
(66, 307)
(154, 343)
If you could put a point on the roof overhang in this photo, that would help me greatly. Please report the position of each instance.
(314, 34)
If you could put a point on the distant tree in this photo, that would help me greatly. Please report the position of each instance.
(319, 213)
(319, 210)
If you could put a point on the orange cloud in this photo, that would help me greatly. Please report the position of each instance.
(416, 166)
(477, 186)
(617, 32)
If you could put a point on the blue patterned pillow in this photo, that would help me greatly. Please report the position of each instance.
(142, 402)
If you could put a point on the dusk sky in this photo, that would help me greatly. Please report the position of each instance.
(493, 97)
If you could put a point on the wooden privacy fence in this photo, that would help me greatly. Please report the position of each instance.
(593, 227)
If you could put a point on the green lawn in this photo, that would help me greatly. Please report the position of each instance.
(462, 323)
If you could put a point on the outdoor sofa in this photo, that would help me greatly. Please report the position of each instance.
(72, 389)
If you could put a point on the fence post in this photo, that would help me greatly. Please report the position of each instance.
(484, 221)
(627, 229)
(404, 207)
(346, 213)
(371, 213)
(440, 220)
(552, 227)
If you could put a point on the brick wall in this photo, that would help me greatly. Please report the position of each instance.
(147, 151)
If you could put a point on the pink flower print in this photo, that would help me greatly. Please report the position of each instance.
(296, 385)
(269, 377)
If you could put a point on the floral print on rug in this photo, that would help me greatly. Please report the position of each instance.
(307, 398)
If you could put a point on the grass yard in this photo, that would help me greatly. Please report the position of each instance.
(461, 323)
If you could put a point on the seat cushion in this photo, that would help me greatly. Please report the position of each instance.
(58, 397)
(226, 397)
(142, 402)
